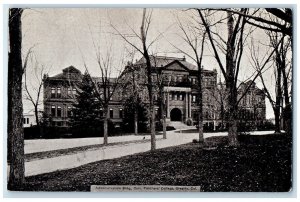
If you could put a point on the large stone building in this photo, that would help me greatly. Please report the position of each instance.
(175, 76)
(178, 79)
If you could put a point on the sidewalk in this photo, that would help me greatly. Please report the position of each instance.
(42, 145)
(47, 165)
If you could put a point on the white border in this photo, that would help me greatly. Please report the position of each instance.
(132, 3)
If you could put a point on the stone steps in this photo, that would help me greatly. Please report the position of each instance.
(180, 125)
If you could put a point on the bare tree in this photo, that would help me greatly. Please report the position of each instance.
(263, 18)
(129, 79)
(15, 107)
(281, 71)
(159, 83)
(194, 37)
(33, 91)
(144, 50)
(233, 53)
(105, 87)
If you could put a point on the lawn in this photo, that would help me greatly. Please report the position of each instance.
(261, 163)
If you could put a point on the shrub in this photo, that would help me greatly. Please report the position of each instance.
(189, 122)
(195, 141)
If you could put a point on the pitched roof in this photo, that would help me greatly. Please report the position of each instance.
(162, 61)
(64, 75)
(71, 69)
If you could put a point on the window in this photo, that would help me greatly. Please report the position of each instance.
(70, 111)
(179, 79)
(170, 96)
(53, 111)
(175, 97)
(121, 113)
(58, 92)
(154, 78)
(206, 115)
(69, 91)
(25, 120)
(180, 97)
(194, 98)
(111, 113)
(74, 91)
(193, 80)
(59, 111)
(53, 92)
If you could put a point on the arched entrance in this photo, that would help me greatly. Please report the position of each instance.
(175, 114)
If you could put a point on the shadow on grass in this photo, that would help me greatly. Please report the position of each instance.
(259, 164)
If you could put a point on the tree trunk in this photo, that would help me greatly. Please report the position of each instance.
(152, 125)
(163, 113)
(15, 106)
(149, 84)
(230, 84)
(287, 112)
(36, 114)
(200, 106)
(136, 121)
(277, 119)
(105, 126)
(164, 127)
(278, 94)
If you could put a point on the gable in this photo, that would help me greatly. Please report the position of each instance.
(176, 66)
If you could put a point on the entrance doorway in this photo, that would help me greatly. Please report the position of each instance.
(175, 114)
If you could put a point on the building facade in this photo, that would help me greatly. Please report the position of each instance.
(173, 79)
(60, 95)
(178, 81)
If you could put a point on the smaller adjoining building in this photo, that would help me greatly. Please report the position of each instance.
(251, 107)
(60, 96)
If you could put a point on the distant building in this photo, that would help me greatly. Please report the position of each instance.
(252, 105)
(251, 108)
(28, 120)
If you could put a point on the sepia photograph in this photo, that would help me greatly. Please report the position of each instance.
(106, 99)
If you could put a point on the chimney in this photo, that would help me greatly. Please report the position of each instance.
(183, 58)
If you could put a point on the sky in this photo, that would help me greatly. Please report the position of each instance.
(73, 36)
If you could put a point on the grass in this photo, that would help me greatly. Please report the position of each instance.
(261, 163)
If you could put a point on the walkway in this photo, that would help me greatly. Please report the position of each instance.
(109, 152)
